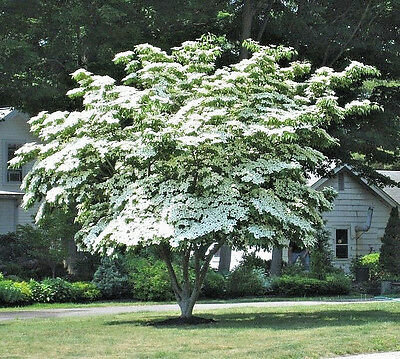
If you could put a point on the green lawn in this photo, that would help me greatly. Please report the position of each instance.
(290, 332)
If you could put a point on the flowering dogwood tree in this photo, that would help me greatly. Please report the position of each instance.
(187, 157)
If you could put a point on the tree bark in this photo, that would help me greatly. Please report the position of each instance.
(247, 23)
(225, 259)
(187, 293)
(276, 262)
(72, 256)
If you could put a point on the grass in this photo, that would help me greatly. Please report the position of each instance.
(41, 306)
(284, 333)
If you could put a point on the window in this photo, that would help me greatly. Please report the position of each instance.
(341, 181)
(13, 175)
(342, 243)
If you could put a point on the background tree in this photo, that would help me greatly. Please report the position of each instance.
(42, 42)
(390, 250)
(186, 157)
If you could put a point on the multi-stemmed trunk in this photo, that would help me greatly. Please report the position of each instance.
(187, 291)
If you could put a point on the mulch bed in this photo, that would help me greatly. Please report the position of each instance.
(182, 321)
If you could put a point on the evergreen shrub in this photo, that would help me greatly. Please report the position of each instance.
(390, 250)
(111, 279)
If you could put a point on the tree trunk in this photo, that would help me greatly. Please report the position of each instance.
(276, 262)
(225, 259)
(53, 270)
(186, 304)
(247, 23)
(72, 256)
(187, 292)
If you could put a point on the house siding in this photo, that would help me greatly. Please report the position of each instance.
(350, 209)
(14, 130)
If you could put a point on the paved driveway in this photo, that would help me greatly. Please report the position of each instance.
(74, 312)
(391, 355)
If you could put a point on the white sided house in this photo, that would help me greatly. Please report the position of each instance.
(14, 132)
(361, 211)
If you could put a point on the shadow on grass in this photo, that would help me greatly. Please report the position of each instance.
(291, 320)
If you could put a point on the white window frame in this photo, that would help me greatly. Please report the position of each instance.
(348, 229)
(7, 143)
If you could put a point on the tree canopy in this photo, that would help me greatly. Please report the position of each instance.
(186, 156)
(50, 39)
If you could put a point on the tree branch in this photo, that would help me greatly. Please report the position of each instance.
(185, 270)
(166, 256)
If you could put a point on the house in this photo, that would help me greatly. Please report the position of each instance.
(14, 131)
(360, 213)
(358, 219)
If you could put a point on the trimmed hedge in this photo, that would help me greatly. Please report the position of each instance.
(14, 293)
(304, 286)
(52, 290)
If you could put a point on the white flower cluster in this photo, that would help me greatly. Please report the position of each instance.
(186, 151)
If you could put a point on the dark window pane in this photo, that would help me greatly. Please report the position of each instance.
(342, 251)
(341, 236)
(13, 175)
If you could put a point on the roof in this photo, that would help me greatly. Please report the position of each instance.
(390, 195)
(4, 111)
(393, 192)
(10, 194)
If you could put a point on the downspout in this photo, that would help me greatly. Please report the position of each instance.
(360, 229)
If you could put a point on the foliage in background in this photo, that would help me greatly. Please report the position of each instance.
(29, 254)
(148, 279)
(45, 250)
(214, 285)
(321, 255)
(390, 249)
(51, 290)
(52, 38)
(298, 285)
(244, 282)
(111, 278)
(251, 260)
(372, 262)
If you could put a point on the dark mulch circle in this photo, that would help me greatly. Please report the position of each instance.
(182, 321)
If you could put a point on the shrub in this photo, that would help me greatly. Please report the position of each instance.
(52, 290)
(12, 293)
(245, 282)
(85, 292)
(337, 283)
(390, 250)
(253, 261)
(111, 279)
(372, 262)
(304, 286)
(321, 256)
(214, 285)
(149, 279)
